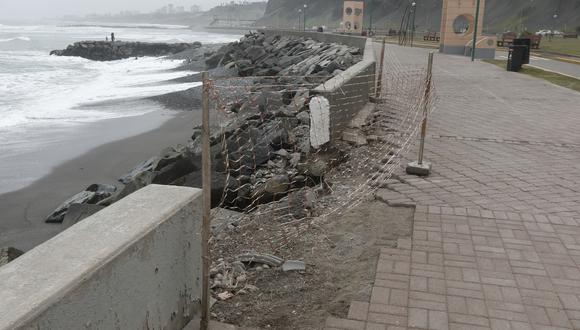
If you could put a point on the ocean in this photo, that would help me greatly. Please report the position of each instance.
(45, 101)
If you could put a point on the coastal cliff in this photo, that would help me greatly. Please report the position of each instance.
(111, 51)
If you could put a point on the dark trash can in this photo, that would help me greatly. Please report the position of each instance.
(516, 58)
(524, 42)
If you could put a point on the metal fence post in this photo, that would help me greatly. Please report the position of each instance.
(421, 167)
(206, 182)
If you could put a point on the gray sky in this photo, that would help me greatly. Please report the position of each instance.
(53, 8)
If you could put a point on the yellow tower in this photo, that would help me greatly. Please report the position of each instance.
(353, 16)
(457, 27)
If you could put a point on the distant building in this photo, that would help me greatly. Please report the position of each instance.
(353, 16)
(195, 9)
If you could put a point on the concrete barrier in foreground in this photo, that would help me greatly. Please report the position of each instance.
(134, 265)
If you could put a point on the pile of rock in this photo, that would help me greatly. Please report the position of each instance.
(262, 155)
(258, 55)
(9, 254)
(110, 51)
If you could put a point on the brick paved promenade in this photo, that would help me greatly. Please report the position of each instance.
(496, 236)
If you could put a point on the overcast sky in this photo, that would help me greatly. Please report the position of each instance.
(54, 8)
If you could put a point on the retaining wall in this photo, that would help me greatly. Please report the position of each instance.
(134, 265)
(349, 91)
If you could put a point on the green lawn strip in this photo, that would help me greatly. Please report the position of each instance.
(561, 46)
(558, 79)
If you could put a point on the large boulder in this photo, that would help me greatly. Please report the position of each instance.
(255, 52)
(9, 254)
(92, 195)
(79, 212)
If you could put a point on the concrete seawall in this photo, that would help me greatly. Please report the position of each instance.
(349, 91)
(134, 265)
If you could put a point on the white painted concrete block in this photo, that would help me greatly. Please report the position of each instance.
(319, 121)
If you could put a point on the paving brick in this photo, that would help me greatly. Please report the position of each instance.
(398, 297)
(558, 318)
(476, 307)
(430, 305)
(376, 326)
(537, 315)
(380, 295)
(392, 284)
(358, 310)
(333, 322)
(388, 309)
(398, 320)
(438, 320)
(418, 318)
(418, 283)
(469, 319)
(570, 301)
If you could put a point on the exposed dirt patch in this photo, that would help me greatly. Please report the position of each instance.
(340, 255)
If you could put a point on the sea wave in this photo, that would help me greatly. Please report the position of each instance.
(27, 39)
(71, 89)
(130, 26)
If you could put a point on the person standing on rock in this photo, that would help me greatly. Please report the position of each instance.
(112, 37)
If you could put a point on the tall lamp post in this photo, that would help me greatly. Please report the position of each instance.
(299, 19)
(554, 26)
(304, 20)
(474, 44)
(414, 12)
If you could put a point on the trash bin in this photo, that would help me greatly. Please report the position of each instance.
(516, 57)
(524, 42)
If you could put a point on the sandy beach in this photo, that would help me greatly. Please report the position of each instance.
(23, 211)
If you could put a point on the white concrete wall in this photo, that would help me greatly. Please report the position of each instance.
(134, 265)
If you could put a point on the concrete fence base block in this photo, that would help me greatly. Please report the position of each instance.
(415, 168)
(133, 265)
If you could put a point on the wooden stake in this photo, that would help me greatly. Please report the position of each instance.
(426, 107)
(206, 226)
(381, 71)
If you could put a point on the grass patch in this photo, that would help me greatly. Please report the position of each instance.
(561, 46)
(554, 78)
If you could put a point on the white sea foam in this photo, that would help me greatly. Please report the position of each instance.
(15, 39)
(41, 97)
(46, 101)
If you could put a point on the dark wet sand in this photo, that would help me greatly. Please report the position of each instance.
(22, 212)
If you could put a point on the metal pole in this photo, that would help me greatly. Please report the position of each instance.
(206, 182)
(304, 20)
(413, 26)
(299, 21)
(473, 46)
(425, 107)
(381, 71)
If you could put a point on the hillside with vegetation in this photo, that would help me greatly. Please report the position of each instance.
(500, 15)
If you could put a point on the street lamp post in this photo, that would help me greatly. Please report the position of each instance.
(299, 19)
(474, 44)
(553, 26)
(414, 12)
(304, 20)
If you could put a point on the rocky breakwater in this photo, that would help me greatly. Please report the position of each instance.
(264, 152)
(111, 51)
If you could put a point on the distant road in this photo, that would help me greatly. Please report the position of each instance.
(564, 68)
